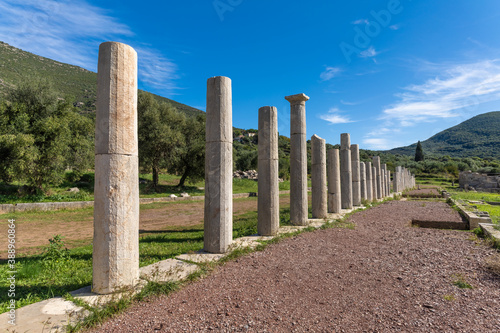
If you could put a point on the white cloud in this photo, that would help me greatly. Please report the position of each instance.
(71, 31)
(349, 103)
(458, 87)
(377, 143)
(395, 27)
(369, 53)
(361, 21)
(329, 73)
(334, 117)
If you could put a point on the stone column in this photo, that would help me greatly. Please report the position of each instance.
(388, 182)
(218, 226)
(334, 197)
(356, 175)
(345, 170)
(115, 256)
(374, 183)
(298, 159)
(396, 179)
(362, 172)
(318, 177)
(384, 180)
(369, 182)
(268, 198)
(378, 176)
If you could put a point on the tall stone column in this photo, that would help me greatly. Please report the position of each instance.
(356, 175)
(396, 179)
(384, 180)
(378, 176)
(298, 159)
(362, 173)
(334, 197)
(369, 182)
(374, 183)
(388, 182)
(218, 226)
(318, 177)
(268, 198)
(115, 256)
(345, 170)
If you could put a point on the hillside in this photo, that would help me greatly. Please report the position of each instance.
(478, 136)
(17, 66)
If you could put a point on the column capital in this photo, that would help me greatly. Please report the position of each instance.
(297, 99)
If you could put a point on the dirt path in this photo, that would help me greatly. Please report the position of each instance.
(384, 276)
(77, 227)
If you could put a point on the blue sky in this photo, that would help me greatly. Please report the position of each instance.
(389, 72)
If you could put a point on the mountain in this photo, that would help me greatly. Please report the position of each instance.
(478, 136)
(17, 66)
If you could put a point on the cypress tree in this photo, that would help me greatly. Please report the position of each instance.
(419, 153)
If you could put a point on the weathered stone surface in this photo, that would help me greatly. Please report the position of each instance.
(356, 175)
(115, 260)
(115, 257)
(384, 180)
(116, 125)
(369, 181)
(345, 171)
(378, 177)
(318, 177)
(298, 159)
(218, 221)
(334, 197)
(478, 181)
(374, 183)
(268, 198)
(219, 125)
(362, 172)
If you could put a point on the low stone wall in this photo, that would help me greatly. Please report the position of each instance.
(479, 182)
(46, 206)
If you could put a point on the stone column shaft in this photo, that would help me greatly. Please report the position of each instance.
(318, 177)
(298, 159)
(378, 176)
(356, 175)
(218, 225)
(334, 197)
(268, 197)
(369, 182)
(115, 256)
(374, 183)
(345, 171)
(362, 171)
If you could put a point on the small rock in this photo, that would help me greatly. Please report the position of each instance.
(172, 196)
(184, 195)
(74, 190)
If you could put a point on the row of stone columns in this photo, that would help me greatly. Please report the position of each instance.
(403, 179)
(116, 209)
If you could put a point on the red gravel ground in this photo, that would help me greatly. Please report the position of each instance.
(384, 276)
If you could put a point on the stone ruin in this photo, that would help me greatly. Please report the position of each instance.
(250, 174)
(343, 183)
(473, 181)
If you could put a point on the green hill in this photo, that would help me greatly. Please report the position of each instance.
(17, 66)
(478, 136)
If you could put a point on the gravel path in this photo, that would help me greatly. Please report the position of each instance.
(384, 276)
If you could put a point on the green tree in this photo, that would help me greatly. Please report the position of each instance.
(159, 133)
(190, 162)
(419, 153)
(42, 135)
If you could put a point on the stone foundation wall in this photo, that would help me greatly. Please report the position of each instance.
(480, 182)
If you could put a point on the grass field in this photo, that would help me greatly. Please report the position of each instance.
(493, 210)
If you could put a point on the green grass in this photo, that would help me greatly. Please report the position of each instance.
(493, 210)
(41, 277)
